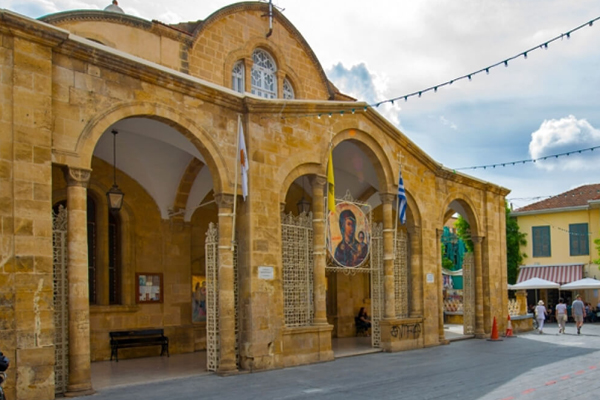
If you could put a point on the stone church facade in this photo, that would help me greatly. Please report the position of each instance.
(82, 89)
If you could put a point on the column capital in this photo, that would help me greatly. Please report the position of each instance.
(77, 176)
(319, 180)
(477, 239)
(387, 198)
(224, 200)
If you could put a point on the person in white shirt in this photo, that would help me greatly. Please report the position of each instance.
(540, 315)
(561, 315)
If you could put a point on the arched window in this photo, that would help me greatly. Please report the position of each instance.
(92, 240)
(114, 259)
(288, 89)
(264, 80)
(237, 77)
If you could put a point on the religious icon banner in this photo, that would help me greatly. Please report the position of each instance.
(349, 235)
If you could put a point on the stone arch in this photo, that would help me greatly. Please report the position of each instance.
(295, 173)
(413, 213)
(186, 183)
(469, 208)
(373, 150)
(187, 127)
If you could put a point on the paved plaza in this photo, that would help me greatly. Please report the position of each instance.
(529, 366)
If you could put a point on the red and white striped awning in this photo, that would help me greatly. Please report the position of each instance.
(556, 273)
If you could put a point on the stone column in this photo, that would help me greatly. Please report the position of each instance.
(440, 285)
(479, 328)
(227, 338)
(319, 256)
(387, 200)
(80, 377)
(416, 272)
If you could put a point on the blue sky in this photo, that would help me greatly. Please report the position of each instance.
(542, 105)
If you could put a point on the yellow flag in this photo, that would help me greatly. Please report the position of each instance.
(330, 184)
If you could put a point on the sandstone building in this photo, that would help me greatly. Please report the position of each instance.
(79, 90)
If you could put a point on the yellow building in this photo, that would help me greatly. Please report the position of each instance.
(97, 102)
(560, 238)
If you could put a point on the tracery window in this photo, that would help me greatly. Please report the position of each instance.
(264, 80)
(288, 90)
(237, 77)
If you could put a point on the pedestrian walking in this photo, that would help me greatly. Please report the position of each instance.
(578, 309)
(540, 315)
(561, 315)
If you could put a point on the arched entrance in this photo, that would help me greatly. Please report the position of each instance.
(458, 271)
(144, 261)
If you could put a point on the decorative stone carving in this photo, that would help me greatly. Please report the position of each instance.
(387, 198)
(224, 200)
(77, 176)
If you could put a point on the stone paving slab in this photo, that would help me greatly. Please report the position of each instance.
(529, 366)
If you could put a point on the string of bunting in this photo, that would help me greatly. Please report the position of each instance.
(468, 76)
(532, 160)
(567, 231)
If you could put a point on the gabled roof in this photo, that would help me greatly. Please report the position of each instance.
(577, 197)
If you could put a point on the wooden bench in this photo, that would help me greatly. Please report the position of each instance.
(138, 338)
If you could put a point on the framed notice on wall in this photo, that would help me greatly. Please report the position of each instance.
(148, 288)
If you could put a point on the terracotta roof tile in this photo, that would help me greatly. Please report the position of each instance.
(572, 198)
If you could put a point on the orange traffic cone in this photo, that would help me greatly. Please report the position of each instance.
(494, 337)
(509, 330)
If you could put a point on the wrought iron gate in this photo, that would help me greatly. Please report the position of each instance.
(468, 294)
(61, 300)
(377, 290)
(401, 275)
(297, 255)
(212, 299)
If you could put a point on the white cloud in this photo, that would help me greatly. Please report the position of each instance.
(563, 135)
(365, 85)
(448, 123)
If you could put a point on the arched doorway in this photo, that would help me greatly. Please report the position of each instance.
(156, 238)
(458, 271)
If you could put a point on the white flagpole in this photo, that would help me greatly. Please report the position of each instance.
(397, 214)
(235, 185)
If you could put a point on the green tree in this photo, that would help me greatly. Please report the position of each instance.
(514, 240)
(597, 243)
(463, 230)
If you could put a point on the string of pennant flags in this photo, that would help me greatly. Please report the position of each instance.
(531, 160)
(419, 93)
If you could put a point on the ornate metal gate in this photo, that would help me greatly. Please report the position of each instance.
(297, 254)
(401, 276)
(468, 294)
(212, 299)
(61, 300)
(377, 292)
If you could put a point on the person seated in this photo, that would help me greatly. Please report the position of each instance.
(363, 322)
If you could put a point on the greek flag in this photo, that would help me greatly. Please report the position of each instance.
(401, 199)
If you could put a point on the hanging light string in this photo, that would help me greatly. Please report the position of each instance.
(563, 230)
(487, 69)
(532, 160)
(435, 88)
